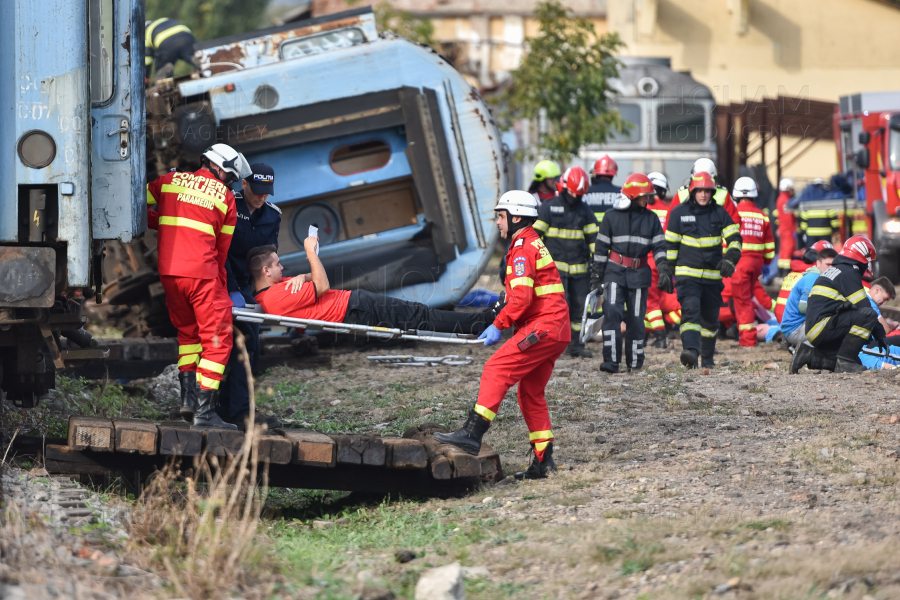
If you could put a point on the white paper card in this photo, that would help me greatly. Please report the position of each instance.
(314, 232)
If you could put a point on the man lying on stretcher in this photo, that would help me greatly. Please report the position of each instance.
(310, 296)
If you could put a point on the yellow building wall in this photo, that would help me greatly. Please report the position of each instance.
(752, 49)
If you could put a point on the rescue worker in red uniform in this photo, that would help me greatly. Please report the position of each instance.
(654, 322)
(720, 194)
(810, 257)
(757, 248)
(195, 215)
(786, 225)
(536, 307)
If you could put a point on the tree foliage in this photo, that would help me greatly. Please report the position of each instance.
(566, 72)
(210, 19)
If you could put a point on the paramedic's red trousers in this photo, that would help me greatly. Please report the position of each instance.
(748, 270)
(201, 311)
(531, 369)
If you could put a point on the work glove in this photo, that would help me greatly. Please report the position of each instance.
(665, 282)
(884, 346)
(598, 270)
(726, 267)
(491, 335)
(237, 299)
(845, 306)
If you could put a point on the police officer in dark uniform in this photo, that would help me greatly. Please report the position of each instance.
(258, 223)
(165, 42)
(602, 194)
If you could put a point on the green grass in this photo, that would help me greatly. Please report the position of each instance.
(636, 556)
(776, 524)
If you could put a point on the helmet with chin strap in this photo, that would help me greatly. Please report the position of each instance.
(745, 187)
(701, 181)
(635, 186)
(229, 160)
(517, 203)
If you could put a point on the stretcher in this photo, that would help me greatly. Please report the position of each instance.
(880, 354)
(591, 322)
(451, 360)
(253, 313)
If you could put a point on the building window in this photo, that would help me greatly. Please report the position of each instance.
(681, 123)
(359, 157)
(631, 115)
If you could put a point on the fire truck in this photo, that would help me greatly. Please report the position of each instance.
(867, 135)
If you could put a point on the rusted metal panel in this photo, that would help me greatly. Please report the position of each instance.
(27, 276)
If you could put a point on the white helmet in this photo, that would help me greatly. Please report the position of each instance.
(229, 160)
(744, 187)
(518, 203)
(786, 184)
(659, 180)
(817, 181)
(704, 165)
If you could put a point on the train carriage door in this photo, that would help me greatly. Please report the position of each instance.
(118, 176)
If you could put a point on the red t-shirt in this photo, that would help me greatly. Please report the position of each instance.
(330, 306)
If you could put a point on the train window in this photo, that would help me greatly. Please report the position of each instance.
(631, 114)
(102, 49)
(359, 157)
(681, 123)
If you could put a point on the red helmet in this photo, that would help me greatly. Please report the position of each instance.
(605, 166)
(860, 249)
(575, 180)
(636, 185)
(821, 245)
(701, 181)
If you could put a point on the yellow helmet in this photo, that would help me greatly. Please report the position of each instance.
(546, 169)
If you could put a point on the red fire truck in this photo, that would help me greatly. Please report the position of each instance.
(867, 134)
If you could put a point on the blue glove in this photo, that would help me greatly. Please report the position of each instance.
(491, 335)
(237, 299)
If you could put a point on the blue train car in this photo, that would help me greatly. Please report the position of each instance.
(73, 110)
(376, 140)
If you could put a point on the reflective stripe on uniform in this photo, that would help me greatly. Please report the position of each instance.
(228, 229)
(190, 349)
(752, 247)
(625, 239)
(575, 326)
(754, 215)
(673, 237)
(704, 242)
(591, 228)
(731, 230)
(818, 230)
(183, 222)
(153, 41)
(565, 234)
(700, 273)
(541, 226)
(546, 435)
(526, 281)
(827, 292)
(208, 382)
(577, 269)
(817, 329)
(746, 327)
(150, 198)
(707, 333)
(860, 332)
(672, 255)
(188, 359)
(212, 366)
(484, 412)
(180, 189)
(540, 264)
(688, 327)
(556, 288)
(857, 296)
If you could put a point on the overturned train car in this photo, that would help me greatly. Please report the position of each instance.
(375, 140)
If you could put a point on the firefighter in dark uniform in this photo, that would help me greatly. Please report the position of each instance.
(628, 234)
(165, 42)
(694, 236)
(258, 223)
(817, 224)
(839, 316)
(720, 195)
(569, 228)
(602, 194)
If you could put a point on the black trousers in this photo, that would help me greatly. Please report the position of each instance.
(844, 334)
(700, 300)
(234, 394)
(577, 288)
(628, 305)
(376, 310)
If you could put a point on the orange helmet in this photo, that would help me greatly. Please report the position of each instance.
(575, 180)
(860, 249)
(701, 181)
(605, 167)
(636, 185)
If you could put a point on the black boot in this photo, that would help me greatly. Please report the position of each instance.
(188, 381)
(578, 350)
(844, 365)
(205, 416)
(469, 437)
(804, 355)
(609, 367)
(689, 357)
(271, 422)
(539, 469)
(659, 339)
(707, 351)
